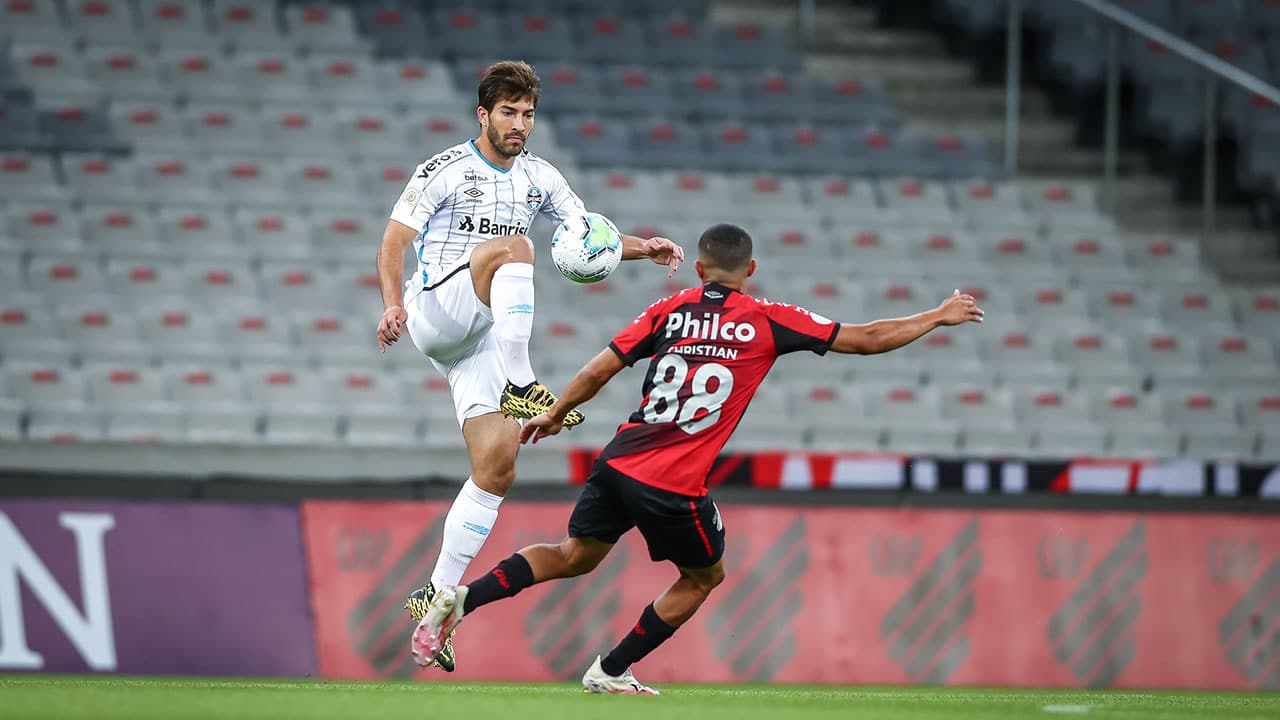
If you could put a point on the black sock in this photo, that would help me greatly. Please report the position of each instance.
(508, 578)
(643, 639)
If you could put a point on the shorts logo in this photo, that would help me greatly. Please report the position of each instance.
(474, 193)
(533, 198)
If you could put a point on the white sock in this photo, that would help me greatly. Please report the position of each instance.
(511, 297)
(466, 527)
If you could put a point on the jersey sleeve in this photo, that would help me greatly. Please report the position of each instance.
(425, 192)
(562, 202)
(638, 340)
(795, 329)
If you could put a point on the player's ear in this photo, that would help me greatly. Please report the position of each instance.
(702, 273)
(482, 115)
(751, 269)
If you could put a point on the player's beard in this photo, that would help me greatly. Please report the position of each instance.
(499, 143)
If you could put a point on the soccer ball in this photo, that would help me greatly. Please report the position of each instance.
(586, 248)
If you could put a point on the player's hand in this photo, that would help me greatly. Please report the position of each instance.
(959, 309)
(539, 427)
(664, 252)
(393, 319)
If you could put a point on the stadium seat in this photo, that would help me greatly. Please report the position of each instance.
(178, 332)
(146, 425)
(47, 387)
(221, 425)
(378, 427)
(272, 77)
(299, 130)
(168, 24)
(256, 336)
(143, 279)
(171, 179)
(124, 72)
(55, 69)
(29, 176)
(80, 127)
(198, 233)
(201, 388)
(1166, 357)
(199, 75)
(65, 426)
(123, 232)
(96, 177)
(609, 38)
(666, 143)
(318, 426)
(249, 181)
(157, 125)
(322, 27)
(534, 35)
(117, 386)
(34, 21)
(246, 25)
(45, 229)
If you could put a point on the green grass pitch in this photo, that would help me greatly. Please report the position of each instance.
(105, 697)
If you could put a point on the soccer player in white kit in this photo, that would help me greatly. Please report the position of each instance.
(470, 306)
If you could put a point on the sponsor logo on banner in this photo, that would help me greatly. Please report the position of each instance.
(1092, 633)
(926, 631)
(156, 587)
(1250, 633)
(752, 627)
(379, 625)
(87, 624)
(570, 626)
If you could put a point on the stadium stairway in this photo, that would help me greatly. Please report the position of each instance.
(938, 92)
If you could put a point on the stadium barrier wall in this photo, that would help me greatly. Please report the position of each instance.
(171, 588)
(839, 595)
(803, 470)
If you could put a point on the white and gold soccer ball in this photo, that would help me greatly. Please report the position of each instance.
(586, 248)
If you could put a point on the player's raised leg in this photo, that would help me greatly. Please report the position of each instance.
(658, 622)
(502, 274)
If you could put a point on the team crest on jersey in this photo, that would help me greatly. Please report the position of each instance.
(533, 198)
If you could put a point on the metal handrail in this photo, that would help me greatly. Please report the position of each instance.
(1208, 61)
(1124, 20)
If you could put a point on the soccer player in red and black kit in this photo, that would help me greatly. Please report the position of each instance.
(710, 348)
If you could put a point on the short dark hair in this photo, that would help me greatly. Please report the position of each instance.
(508, 80)
(727, 247)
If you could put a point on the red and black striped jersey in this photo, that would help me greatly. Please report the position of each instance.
(711, 347)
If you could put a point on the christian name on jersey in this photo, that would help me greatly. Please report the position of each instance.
(485, 226)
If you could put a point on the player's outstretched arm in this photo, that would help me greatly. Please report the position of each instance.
(658, 249)
(390, 274)
(584, 386)
(885, 335)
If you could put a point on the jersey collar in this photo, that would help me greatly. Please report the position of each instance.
(472, 144)
(715, 293)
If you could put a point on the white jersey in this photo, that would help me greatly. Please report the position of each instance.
(458, 199)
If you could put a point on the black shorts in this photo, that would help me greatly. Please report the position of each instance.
(684, 529)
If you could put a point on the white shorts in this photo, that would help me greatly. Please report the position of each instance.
(449, 324)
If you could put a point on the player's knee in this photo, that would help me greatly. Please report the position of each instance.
(578, 559)
(707, 580)
(518, 249)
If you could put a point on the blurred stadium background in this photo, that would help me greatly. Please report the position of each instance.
(191, 196)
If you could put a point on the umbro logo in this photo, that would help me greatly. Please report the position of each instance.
(714, 294)
(474, 193)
